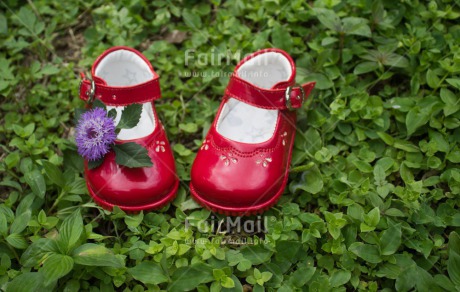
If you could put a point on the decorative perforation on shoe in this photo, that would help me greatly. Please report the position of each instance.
(264, 161)
(205, 145)
(228, 159)
(160, 146)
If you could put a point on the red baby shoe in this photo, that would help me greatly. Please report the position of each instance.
(122, 76)
(242, 167)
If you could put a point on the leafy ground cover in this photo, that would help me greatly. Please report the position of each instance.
(373, 197)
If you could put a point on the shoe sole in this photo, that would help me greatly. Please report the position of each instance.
(134, 209)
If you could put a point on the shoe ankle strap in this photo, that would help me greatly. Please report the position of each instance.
(288, 98)
(119, 95)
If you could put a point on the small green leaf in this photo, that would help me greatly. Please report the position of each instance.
(36, 182)
(77, 114)
(20, 222)
(71, 230)
(130, 116)
(339, 278)
(367, 252)
(356, 26)
(17, 241)
(98, 103)
(90, 254)
(148, 273)
(56, 266)
(390, 240)
(27, 282)
(92, 164)
(191, 19)
(432, 79)
(281, 37)
(188, 278)
(328, 18)
(453, 267)
(53, 173)
(132, 154)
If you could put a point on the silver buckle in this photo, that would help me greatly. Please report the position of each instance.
(91, 93)
(287, 96)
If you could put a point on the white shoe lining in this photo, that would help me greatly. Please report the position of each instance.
(125, 68)
(245, 123)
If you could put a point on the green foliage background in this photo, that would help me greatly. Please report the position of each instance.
(373, 197)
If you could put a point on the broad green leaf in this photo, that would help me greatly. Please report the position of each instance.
(328, 18)
(148, 273)
(188, 278)
(130, 116)
(281, 37)
(36, 182)
(90, 254)
(454, 82)
(454, 242)
(192, 20)
(20, 222)
(132, 154)
(453, 267)
(56, 266)
(339, 278)
(28, 282)
(53, 173)
(313, 180)
(365, 67)
(37, 252)
(367, 252)
(390, 240)
(415, 119)
(17, 241)
(71, 230)
(92, 164)
(432, 79)
(356, 26)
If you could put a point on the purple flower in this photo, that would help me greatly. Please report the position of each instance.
(95, 133)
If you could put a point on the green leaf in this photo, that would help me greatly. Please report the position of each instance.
(3, 25)
(20, 222)
(17, 241)
(71, 230)
(313, 180)
(92, 164)
(189, 127)
(27, 282)
(365, 67)
(132, 154)
(367, 252)
(56, 266)
(356, 26)
(188, 278)
(77, 114)
(191, 19)
(454, 242)
(339, 278)
(415, 119)
(130, 116)
(281, 37)
(328, 18)
(53, 173)
(454, 82)
(149, 273)
(453, 267)
(390, 240)
(90, 254)
(36, 182)
(432, 79)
